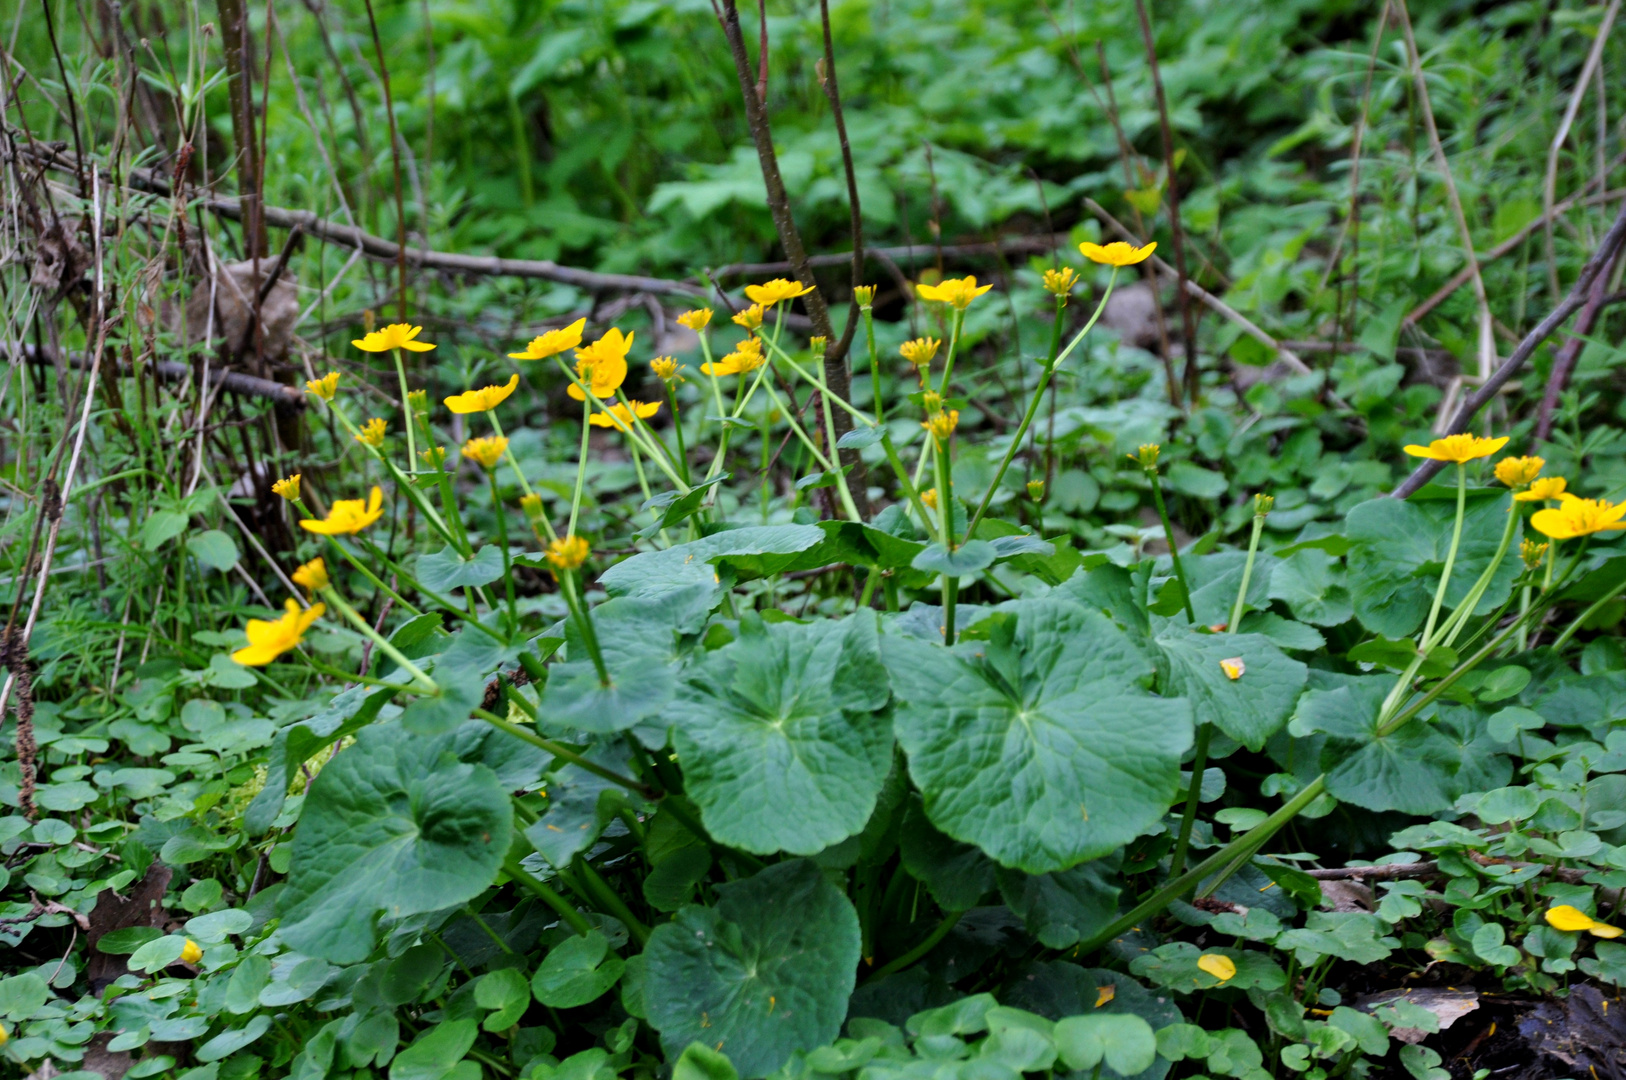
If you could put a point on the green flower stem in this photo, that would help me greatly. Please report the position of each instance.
(443, 480)
(874, 365)
(351, 676)
(1459, 618)
(1051, 364)
(501, 514)
(560, 750)
(338, 603)
(939, 932)
(573, 918)
(868, 595)
(677, 430)
(956, 321)
(1569, 631)
(817, 381)
(1450, 557)
(1174, 547)
(651, 437)
(581, 471)
(406, 409)
(716, 383)
(802, 436)
(612, 903)
(587, 392)
(407, 488)
(910, 491)
(584, 620)
(1243, 847)
(1524, 611)
(831, 440)
(433, 597)
(718, 462)
(1199, 761)
(349, 556)
(1247, 574)
(825, 463)
(945, 510)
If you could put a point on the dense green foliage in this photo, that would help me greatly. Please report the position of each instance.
(1013, 742)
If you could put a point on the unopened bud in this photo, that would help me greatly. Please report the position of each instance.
(1036, 490)
(817, 344)
(1262, 504)
(864, 295)
(1147, 457)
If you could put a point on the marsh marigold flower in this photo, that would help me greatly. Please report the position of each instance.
(620, 418)
(567, 553)
(1060, 282)
(1565, 917)
(666, 369)
(1579, 517)
(313, 575)
(552, 343)
(864, 296)
(602, 365)
(348, 516)
(696, 320)
(1458, 448)
(1147, 456)
(750, 318)
(190, 952)
(1542, 489)
(920, 351)
(372, 433)
(1532, 553)
(1219, 965)
(1117, 253)
(393, 336)
(434, 457)
(1517, 472)
(929, 498)
(288, 487)
(269, 640)
(956, 292)
(486, 449)
(484, 399)
(325, 387)
(779, 289)
(747, 356)
(942, 424)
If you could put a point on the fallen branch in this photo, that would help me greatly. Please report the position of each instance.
(1392, 871)
(174, 371)
(1607, 248)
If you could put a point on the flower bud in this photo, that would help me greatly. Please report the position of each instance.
(372, 433)
(864, 296)
(288, 487)
(418, 402)
(818, 345)
(567, 553)
(1036, 490)
(531, 504)
(1263, 504)
(1147, 457)
(190, 952)
(1060, 282)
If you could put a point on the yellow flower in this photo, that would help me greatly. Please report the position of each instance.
(746, 357)
(864, 296)
(602, 365)
(942, 424)
(931, 401)
(269, 640)
(1234, 669)
(1147, 458)
(1532, 553)
(1061, 281)
(1219, 965)
(434, 457)
(920, 351)
(313, 575)
(531, 504)
(1543, 489)
(750, 318)
(552, 343)
(190, 953)
(4, 1037)
(929, 498)
(620, 418)
(348, 516)
(484, 399)
(1518, 472)
(325, 387)
(1579, 517)
(1117, 253)
(567, 553)
(1458, 448)
(288, 487)
(487, 450)
(393, 336)
(772, 292)
(1565, 917)
(957, 292)
(696, 320)
(372, 433)
(666, 369)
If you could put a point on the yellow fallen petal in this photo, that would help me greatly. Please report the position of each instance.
(1565, 917)
(1219, 965)
(1233, 667)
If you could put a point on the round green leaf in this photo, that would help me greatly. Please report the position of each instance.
(781, 747)
(578, 970)
(214, 549)
(1249, 708)
(767, 972)
(389, 827)
(1039, 747)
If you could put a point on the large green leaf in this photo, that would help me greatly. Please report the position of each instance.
(765, 973)
(1249, 708)
(957, 875)
(638, 639)
(1066, 906)
(779, 738)
(447, 570)
(347, 713)
(393, 826)
(1312, 584)
(1038, 745)
(1398, 552)
(760, 549)
(1408, 770)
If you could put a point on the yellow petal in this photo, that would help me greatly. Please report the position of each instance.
(1219, 965)
(1234, 668)
(1565, 917)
